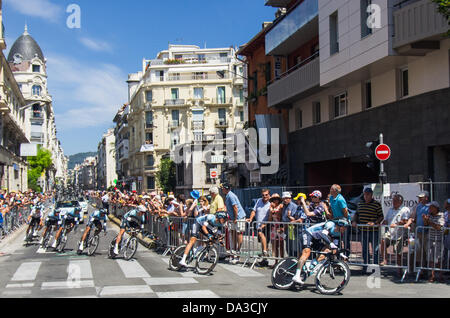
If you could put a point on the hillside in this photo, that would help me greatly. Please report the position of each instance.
(79, 158)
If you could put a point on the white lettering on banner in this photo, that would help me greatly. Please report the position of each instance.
(408, 191)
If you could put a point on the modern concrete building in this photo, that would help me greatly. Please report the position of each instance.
(347, 80)
(182, 96)
(106, 161)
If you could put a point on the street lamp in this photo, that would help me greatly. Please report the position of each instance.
(221, 74)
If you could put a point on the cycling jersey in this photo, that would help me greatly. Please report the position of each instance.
(72, 214)
(52, 215)
(210, 221)
(36, 213)
(134, 215)
(96, 219)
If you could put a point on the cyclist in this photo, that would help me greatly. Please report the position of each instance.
(35, 217)
(208, 224)
(72, 218)
(96, 220)
(318, 234)
(130, 219)
(52, 219)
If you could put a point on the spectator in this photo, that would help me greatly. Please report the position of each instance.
(396, 218)
(236, 216)
(289, 209)
(317, 211)
(203, 207)
(421, 241)
(217, 204)
(295, 231)
(370, 215)
(435, 220)
(261, 212)
(277, 232)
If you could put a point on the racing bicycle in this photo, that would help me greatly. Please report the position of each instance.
(49, 236)
(91, 243)
(332, 273)
(206, 256)
(128, 247)
(62, 240)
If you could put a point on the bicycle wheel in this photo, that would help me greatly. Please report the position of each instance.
(207, 260)
(177, 255)
(93, 245)
(332, 277)
(130, 248)
(283, 273)
(62, 243)
(111, 249)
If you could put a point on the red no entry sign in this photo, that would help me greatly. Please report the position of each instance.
(214, 173)
(383, 152)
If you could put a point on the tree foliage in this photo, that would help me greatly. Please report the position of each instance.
(38, 165)
(166, 175)
(444, 9)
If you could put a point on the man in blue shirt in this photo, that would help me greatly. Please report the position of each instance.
(261, 211)
(289, 210)
(236, 215)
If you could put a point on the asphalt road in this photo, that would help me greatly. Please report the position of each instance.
(30, 272)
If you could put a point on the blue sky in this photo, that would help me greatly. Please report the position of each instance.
(88, 67)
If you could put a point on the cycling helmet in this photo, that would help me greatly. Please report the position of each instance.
(221, 215)
(316, 194)
(104, 211)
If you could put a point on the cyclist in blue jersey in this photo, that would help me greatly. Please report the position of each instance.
(71, 218)
(96, 220)
(132, 220)
(318, 235)
(52, 219)
(207, 225)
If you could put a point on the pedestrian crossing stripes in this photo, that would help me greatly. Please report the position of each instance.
(27, 285)
(125, 290)
(27, 272)
(241, 271)
(132, 269)
(162, 281)
(187, 294)
(69, 284)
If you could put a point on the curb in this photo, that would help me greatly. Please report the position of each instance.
(145, 241)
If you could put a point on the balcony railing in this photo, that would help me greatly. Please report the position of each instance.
(220, 101)
(418, 21)
(221, 123)
(290, 24)
(174, 102)
(293, 83)
(149, 125)
(198, 125)
(174, 124)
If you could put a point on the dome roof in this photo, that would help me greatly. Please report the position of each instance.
(27, 47)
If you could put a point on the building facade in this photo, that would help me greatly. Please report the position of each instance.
(106, 161)
(13, 168)
(122, 134)
(182, 96)
(347, 80)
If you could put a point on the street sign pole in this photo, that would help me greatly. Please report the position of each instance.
(382, 174)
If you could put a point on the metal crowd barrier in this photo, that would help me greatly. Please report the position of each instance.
(431, 248)
(15, 218)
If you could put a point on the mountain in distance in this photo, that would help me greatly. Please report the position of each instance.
(79, 158)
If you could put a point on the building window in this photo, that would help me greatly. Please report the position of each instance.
(404, 82)
(36, 90)
(178, 57)
(149, 137)
(148, 120)
(160, 74)
(255, 83)
(365, 30)
(299, 119)
(241, 116)
(316, 113)
(37, 111)
(368, 94)
(150, 183)
(268, 72)
(36, 68)
(222, 115)
(201, 57)
(334, 33)
(221, 95)
(340, 105)
(241, 96)
(175, 93)
(198, 92)
(150, 161)
(149, 96)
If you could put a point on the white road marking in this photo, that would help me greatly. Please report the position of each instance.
(17, 293)
(27, 271)
(68, 285)
(161, 281)
(43, 251)
(27, 285)
(188, 294)
(132, 269)
(241, 271)
(191, 274)
(125, 290)
(80, 269)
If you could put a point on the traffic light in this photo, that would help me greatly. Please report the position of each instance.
(373, 162)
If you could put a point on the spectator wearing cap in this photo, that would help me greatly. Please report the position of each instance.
(261, 211)
(417, 214)
(217, 204)
(434, 220)
(369, 214)
(236, 215)
(289, 209)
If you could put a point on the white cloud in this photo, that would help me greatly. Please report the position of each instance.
(37, 8)
(85, 94)
(96, 45)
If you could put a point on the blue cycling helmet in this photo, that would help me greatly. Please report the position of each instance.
(221, 215)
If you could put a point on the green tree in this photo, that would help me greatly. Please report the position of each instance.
(166, 175)
(38, 165)
(444, 9)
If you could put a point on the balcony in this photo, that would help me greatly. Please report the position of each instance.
(301, 80)
(198, 125)
(149, 125)
(175, 102)
(222, 123)
(418, 28)
(297, 27)
(174, 124)
(220, 101)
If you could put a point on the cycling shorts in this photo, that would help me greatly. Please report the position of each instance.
(197, 229)
(95, 222)
(35, 220)
(50, 222)
(68, 221)
(134, 223)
